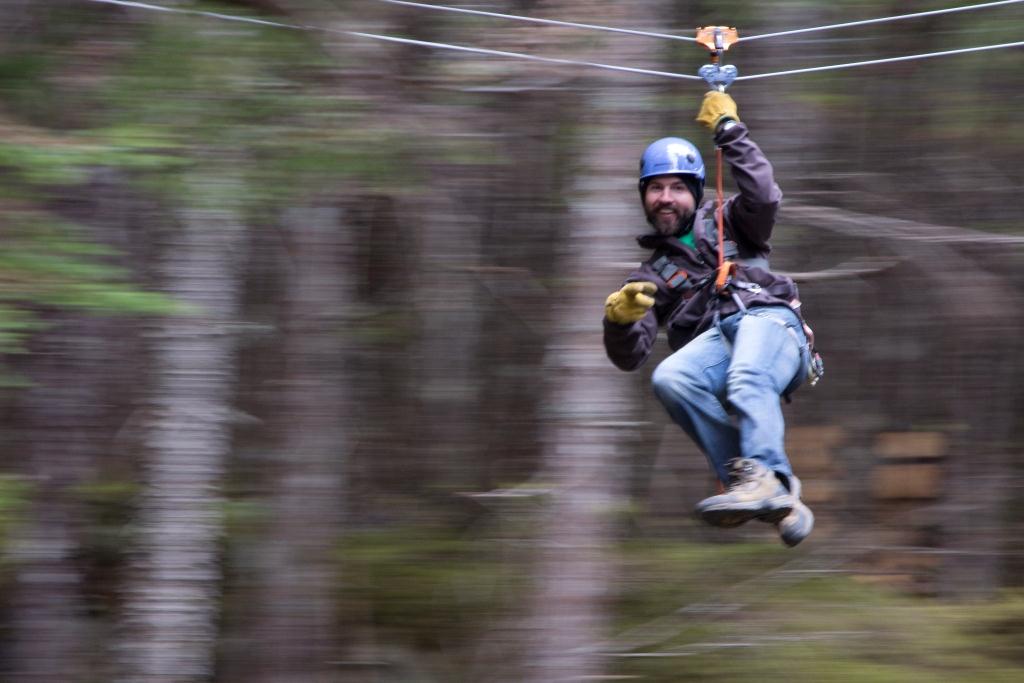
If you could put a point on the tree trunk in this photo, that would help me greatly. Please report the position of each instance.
(172, 599)
(588, 412)
(297, 626)
(79, 369)
(574, 573)
(61, 414)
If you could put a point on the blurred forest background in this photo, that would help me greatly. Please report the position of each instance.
(302, 375)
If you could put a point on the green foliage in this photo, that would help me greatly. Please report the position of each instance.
(1000, 630)
(257, 96)
(14, 496)
(109, 505)
(23, 75)
(48, 263)
(15, 324)
(682, 573)
(425, 586)
(172, 92)
(70, 163)
(821, 628)
(430, 588)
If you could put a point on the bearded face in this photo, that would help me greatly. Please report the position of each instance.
(668, 204)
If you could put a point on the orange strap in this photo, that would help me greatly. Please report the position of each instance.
(725, 271)
(725, 268)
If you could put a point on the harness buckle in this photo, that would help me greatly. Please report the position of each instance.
(751, 287)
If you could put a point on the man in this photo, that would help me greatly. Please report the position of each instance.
(739, 341)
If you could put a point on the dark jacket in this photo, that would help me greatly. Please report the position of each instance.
(684, 309)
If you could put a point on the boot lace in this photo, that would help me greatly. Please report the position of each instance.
(743, 474)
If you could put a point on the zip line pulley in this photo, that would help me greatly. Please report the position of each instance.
(717, 40)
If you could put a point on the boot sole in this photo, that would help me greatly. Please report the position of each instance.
(728, 517)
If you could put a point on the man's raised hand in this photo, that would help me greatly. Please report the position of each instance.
(716, 108)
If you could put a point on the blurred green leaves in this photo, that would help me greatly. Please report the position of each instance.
(14, 494)
(269, 99)
(153, 101)
(801, 626)
(428, 584)
(47, 263)
(69, 164)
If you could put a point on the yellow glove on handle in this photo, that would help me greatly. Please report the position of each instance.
(716, 106)
(630, 303)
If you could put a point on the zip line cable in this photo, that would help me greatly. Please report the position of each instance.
(551, 60)
(880, 20)
(650, 34)
(214, 15)
(880, 61)
(520, 55)
(406, 41)
(536, 20)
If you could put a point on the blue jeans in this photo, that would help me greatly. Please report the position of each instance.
(746, 364)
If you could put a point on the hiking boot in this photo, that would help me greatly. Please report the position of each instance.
(754, 492)
(797, 525)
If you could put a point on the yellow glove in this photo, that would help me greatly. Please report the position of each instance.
(716, 106)
(630, 303)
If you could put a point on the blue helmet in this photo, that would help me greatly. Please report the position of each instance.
(673, 156)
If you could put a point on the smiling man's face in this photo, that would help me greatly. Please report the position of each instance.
(668, 204)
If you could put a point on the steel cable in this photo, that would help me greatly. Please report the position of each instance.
(885, 60)
(555, 60)
(406, 41)
(880, 20)
(537, 20)
(669, 36)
